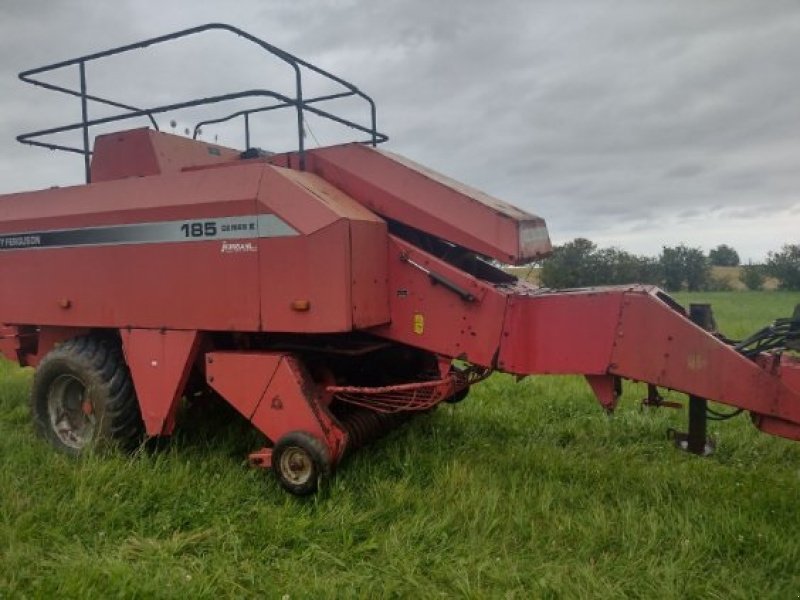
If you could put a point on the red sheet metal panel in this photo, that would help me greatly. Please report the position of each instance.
(208, 249)
(290, 402)
(177, 285)
(369, 247)
(399, 189)
(241, 378)
(281, 188)
(787, 368)
(427, 315)
(123, 284)
(338, 266)
(11, 343)
(160, 361)
(142, 152)
(313, 268)
(636, 334)
(196, 194)
(658, 345)
(563, 332)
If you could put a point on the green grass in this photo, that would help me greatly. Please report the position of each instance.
(524, 490)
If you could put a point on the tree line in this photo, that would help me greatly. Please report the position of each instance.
(580, 263)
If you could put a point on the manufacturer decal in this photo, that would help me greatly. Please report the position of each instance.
(20, 241)
(237, 247)
(248, 227)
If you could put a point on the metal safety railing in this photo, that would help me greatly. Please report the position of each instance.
(298, 101)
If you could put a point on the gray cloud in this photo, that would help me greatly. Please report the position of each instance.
(606, 118)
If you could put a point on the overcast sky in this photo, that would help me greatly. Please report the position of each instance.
(635, 124)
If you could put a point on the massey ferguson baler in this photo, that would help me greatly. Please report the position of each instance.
(326, 294)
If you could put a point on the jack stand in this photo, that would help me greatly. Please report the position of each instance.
(695, 441)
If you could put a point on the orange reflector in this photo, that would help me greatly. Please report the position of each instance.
(301, 305)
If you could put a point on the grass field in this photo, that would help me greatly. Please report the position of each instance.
(525, 490)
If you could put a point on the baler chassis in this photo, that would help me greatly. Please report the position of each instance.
(326, 294)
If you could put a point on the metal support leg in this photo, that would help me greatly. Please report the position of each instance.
(696, 440)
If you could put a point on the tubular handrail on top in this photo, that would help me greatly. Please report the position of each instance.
(300, 103)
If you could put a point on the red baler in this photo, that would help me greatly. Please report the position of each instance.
(326, 294)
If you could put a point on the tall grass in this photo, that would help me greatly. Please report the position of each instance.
(524, 490)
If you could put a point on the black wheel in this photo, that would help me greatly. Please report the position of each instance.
(300, 462)
(458, 396)
(83, 396)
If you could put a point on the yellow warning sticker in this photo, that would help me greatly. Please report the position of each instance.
(419, 323)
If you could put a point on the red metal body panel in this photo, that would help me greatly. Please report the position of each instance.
(313, 268)
(274, 391)
(141, 152)
(658, 345)
(430, 316)
(159, 361)
(46, 339)
(564, 332)
(334, 265)
(11, 343)
(241, 378)
(632, 333)
(290, 194)
(605, 390)
(193, 194)
(141, 285)
(369, 274)
(249, 288)
(787, 369)
(399, 189)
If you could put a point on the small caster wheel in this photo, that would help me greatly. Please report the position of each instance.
(300, 462)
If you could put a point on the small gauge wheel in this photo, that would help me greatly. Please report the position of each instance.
(300, 462)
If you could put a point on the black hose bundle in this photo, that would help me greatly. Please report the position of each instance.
(782, 334)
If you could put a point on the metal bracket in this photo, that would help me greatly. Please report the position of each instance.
(656, 400)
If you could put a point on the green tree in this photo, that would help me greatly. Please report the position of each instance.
(723, 256)
(752, 276)
(579, 263)
(785, 266)
(570, 265)
(616, 267)
(683, 265)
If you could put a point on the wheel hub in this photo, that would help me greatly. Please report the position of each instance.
(71, 412)
(296, 465)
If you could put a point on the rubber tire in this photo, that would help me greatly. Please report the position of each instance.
(99, 364)
(315, 450)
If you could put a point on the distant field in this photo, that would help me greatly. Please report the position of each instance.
(731, 275)
(525, 490)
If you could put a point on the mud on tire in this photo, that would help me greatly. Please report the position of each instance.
(83, 396)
